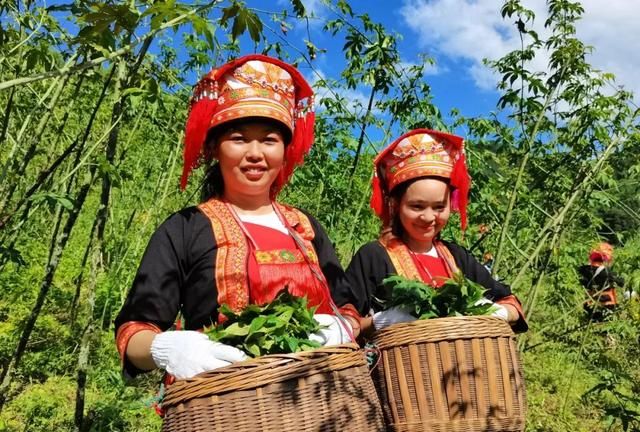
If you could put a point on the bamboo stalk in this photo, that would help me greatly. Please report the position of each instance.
(23, 128)
(560, 215)
(7, 114)
(87, 335)
(58, 244)
(80, 143)
(20, 164)
(362, 130)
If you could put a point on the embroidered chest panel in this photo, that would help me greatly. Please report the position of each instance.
(403, 261)
(231, 263)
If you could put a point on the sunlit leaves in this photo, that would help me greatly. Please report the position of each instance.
(244, 19)
(103, 23)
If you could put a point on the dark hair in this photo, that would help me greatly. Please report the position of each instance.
(396, 195)
(213, 183)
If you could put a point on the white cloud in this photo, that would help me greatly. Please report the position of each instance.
(611, 27)
(471, 30)
(356, 99)
(314, 8)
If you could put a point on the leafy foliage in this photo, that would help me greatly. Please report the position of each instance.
(458, 296)
(281, 326)
(94, 96)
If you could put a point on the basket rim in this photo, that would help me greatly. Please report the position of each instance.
(264, 370)
(442, 329)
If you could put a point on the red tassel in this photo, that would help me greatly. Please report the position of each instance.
(462, 182)
(195, 135)
(377, 197)
(296, 150)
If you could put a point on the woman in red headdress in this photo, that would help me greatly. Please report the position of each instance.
(600, 281)
(252, 121)
(419, 179)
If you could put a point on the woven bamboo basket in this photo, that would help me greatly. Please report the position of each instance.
(450, 374)
(328, 389)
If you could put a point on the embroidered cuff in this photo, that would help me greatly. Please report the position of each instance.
(126, 331)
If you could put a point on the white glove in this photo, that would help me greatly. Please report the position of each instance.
(499, 311)
(629, 295)
(334, 331)
(394, 315)
(185, 354)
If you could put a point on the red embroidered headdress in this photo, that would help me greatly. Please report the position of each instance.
(421, 153)
(251, 86)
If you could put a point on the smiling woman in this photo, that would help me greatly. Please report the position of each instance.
(249, 122)
(423, 210)
(250, 154)
(419, 179)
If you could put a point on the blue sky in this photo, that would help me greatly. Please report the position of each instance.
(450, 87)
(459, 34)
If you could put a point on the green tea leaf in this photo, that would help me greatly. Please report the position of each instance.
(282, 326)
(457, 296)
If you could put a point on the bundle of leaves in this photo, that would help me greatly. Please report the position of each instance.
(458, 296)
(282, 326)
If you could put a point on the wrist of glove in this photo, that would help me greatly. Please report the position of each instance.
(334, 331)
(185, 354)
(394, 315)
(498, 310)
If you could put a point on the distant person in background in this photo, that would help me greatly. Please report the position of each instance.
(600, 282)
(487, 259)
(419, 180)
(250, 120)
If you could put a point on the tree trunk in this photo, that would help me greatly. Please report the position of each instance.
(124, 80)
(362, 131)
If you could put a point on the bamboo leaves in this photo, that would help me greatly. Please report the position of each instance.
(52, 199)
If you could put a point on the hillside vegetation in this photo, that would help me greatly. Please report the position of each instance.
(93, 99)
